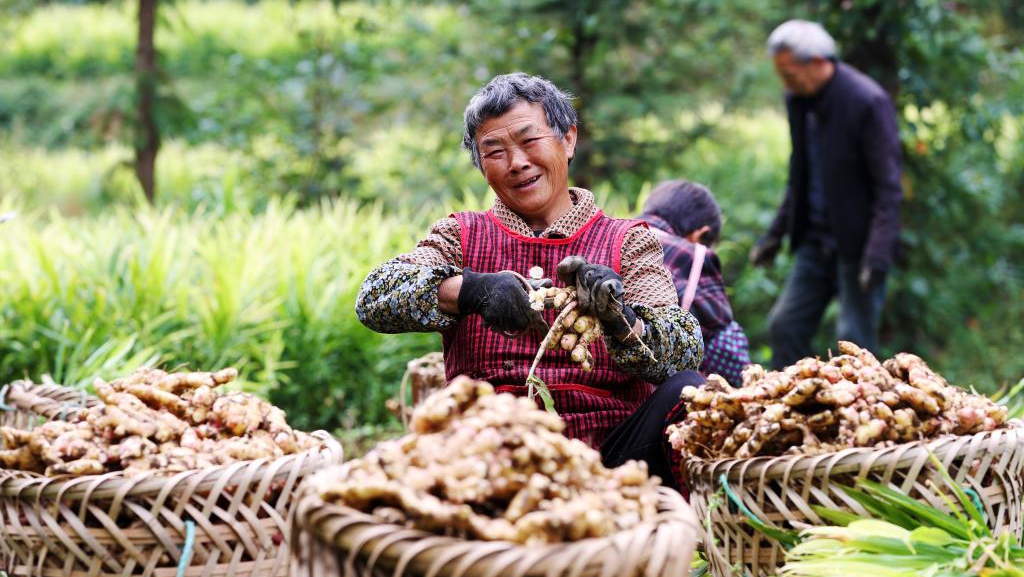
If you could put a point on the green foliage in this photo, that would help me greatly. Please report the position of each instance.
(77, 181)
(904, 537)
(628, 61)
(278, 105)
(270, 293)
(294, 87)
(961, 126)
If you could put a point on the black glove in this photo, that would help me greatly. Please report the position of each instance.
(869, 277)
(764, 251)
(599, 291)
(501, 300)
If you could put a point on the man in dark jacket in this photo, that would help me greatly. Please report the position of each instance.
(842, 205)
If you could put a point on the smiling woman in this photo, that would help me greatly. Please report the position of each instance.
(461, 281)
(526, 165)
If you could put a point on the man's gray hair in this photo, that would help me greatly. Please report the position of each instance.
(807, 40)
(505, 91)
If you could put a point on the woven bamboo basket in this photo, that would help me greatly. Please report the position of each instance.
(781, 490)
(329, 540)
(228, 521)
(423, 376)
(28, 404)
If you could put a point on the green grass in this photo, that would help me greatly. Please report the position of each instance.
(271, 293)
(76, 181)
(194, 36)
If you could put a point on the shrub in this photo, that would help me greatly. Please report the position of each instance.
(270, 293)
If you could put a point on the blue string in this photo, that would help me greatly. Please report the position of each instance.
(3, 397)
(186, 551)
(977, 502)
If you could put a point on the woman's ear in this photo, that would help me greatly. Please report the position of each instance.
(569, 142)
(695, 236)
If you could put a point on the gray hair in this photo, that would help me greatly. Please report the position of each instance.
(505, 91)
(807, 40)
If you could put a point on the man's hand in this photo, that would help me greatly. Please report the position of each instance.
(764, 251)
(869, 277)
(501, 299)
(599, 291)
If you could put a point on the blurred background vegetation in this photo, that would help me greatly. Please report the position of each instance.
(302, 143)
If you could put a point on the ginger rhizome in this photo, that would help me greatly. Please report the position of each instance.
(573, 331)
(489, 466)
(153, 420)
(816, 406)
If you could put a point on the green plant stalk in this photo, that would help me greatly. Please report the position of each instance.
(904, 538)
(785, 538)
(533, 382)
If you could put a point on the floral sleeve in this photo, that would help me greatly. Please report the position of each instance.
(401, 297)
(670, 333)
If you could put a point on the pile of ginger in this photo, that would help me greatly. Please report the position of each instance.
(153, 420)
(819, 406)
(488, 466)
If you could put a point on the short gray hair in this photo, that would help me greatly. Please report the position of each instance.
(505, 91)
(807, 40)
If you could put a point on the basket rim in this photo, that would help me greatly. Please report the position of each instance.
(853, 459)
(672, 509)
(45, 399)
(323, 532)
(26, 485)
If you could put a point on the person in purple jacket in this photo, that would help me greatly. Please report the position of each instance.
(687, 220)
(841, 210)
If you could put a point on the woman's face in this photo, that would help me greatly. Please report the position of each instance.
(526, 164)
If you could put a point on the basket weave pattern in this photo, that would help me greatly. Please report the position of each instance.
(781, 490)
(34, 403)
(332, 540)
(425, 376)
(111, 525)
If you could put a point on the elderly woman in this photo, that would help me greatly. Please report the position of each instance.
(521, 131)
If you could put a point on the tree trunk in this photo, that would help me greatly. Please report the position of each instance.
(147, 135)
(583, 168)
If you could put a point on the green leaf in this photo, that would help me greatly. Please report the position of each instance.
(785, 538)
(914, 512)
(835, 516)
(851, 566)
(966, 502)
(880, 509)
(931, 536)
(545, 394)
(864, 528)
(817, 547)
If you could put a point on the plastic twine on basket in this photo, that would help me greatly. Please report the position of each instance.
(186, 549)
(3, 397)
(66, 406)
(977, 502)
(785, 538)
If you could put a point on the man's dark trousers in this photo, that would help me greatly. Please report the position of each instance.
(818, 275)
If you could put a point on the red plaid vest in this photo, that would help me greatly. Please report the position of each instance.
(591, 403)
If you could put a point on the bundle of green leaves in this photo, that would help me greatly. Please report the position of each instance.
(903, 537)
